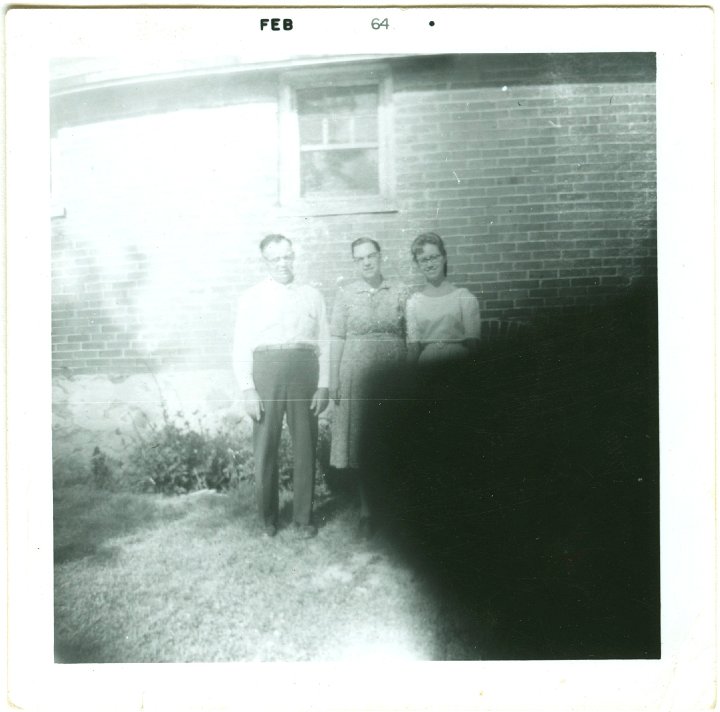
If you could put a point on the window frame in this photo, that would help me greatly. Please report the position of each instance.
(291, 200)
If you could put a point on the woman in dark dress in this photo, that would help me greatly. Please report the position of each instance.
(367, 330)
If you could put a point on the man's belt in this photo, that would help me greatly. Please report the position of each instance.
(285, 347)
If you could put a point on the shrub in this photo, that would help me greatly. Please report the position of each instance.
(174, 457)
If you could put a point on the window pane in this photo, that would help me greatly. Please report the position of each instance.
(366, 100)
(338, 172)
(311, 131)
(340, 101)
(337, 100)
(311, 101)
(366, 129)
(339, 129)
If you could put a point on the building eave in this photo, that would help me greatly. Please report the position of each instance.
(112, 74)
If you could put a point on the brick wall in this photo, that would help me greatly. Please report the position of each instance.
(542, 180)
(539, 171)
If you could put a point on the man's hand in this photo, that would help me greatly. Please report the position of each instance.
(319, 401)
(253, 404)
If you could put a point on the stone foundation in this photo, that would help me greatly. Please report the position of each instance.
(104, 411)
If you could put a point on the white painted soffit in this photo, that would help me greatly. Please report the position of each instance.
(70, 75)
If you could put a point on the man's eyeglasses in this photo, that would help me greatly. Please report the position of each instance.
(430, 259)
(371, 257)
(279, 260)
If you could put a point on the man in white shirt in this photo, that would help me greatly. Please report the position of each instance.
(282, 362)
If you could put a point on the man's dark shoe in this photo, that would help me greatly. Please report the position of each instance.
(305, 531)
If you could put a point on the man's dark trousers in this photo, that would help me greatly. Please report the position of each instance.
(286, 381)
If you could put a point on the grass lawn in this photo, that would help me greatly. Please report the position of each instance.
(148, 578)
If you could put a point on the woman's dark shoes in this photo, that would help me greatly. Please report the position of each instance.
(270, 530)
(366, 528)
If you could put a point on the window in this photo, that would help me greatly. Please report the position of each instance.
(335, 142)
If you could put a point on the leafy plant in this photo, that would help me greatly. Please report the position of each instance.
(173, 457)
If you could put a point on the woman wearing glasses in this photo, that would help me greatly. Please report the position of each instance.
(368, 330)
(443, 321)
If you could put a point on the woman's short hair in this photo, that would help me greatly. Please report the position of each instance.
(364, 241)
(428, 238)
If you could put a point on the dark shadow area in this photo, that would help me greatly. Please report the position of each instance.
(332, 500)
(85, 519)
(326, 507)
(542, 69)
(524, 485)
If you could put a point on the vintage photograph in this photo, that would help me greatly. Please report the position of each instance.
(355, 357)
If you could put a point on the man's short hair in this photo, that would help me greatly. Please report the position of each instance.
(271, 239)
(364, 241)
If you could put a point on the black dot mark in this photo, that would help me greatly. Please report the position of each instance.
(432, 23)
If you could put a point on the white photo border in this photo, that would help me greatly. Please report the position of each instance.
(684, 677)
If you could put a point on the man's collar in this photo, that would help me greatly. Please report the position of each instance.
(274, 283)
